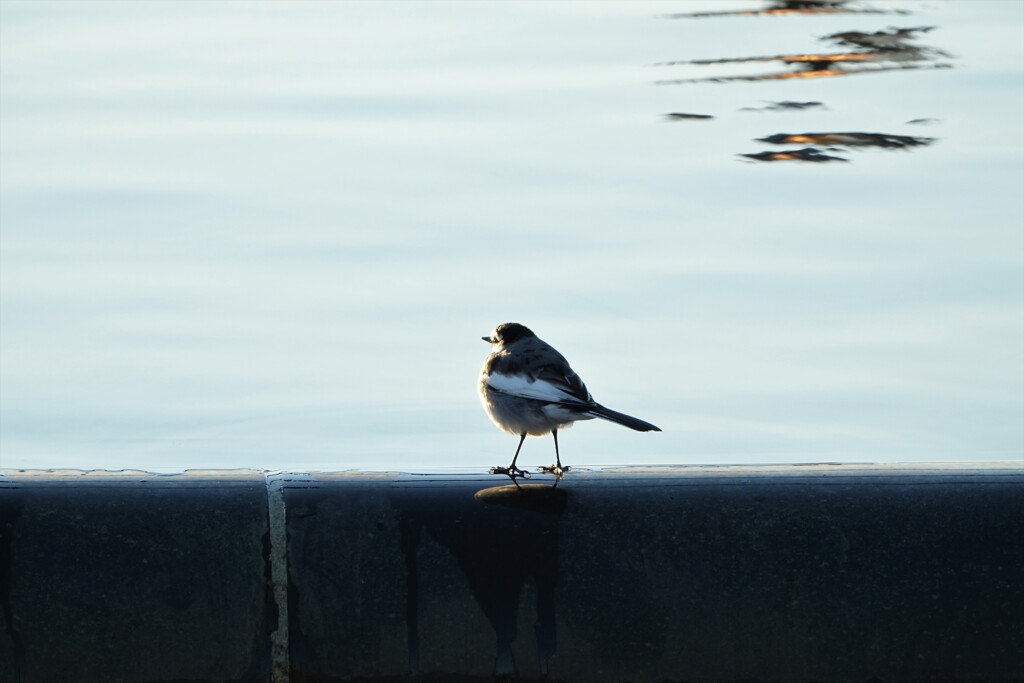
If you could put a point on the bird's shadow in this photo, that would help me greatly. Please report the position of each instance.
(536, 497)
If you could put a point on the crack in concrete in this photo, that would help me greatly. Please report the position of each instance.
(280, 657)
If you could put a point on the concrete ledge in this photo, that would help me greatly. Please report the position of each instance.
(787, 573)
(133, 577)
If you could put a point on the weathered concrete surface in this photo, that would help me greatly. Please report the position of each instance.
(130, 577)
(686, 574)
(789, 573)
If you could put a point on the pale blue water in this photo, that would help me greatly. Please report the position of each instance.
(272, 234)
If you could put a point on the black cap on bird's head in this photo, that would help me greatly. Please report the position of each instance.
(506, 333)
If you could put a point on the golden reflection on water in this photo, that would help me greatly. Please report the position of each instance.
(887, 50)
(881, 51)
(804, 7)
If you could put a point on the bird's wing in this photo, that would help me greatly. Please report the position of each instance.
(566, 379)
(551, 384)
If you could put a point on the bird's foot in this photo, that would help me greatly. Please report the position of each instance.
(512, 472)
(557, 470)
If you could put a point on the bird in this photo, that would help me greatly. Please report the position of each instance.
(528, 388)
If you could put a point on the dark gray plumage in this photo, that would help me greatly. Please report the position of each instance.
(528, 388)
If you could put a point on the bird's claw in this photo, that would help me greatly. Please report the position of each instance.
(556, 470)
(511, 472)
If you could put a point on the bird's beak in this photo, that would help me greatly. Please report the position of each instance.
(486, 339)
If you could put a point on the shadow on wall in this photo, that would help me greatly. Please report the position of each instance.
(504, 536)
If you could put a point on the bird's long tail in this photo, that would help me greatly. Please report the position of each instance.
(623, 419)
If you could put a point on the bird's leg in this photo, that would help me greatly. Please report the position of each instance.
(522, 438)
(512, 470)
(558, 458)
(557, 468)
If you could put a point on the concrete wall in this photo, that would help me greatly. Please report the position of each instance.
(791, 573)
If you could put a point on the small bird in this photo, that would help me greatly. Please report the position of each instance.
(527, 387)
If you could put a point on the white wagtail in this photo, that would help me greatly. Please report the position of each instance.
(527, 387)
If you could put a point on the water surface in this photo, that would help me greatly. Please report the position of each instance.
(272, 234)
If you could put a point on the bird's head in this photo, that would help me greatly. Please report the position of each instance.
(506, 333)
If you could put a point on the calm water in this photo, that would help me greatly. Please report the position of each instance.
(272, 235)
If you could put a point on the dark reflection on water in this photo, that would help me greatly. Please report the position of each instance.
(680, 116)
(878, 52)
(804, 154)
(831, 142)
(787, 105)
(849, 140)
(857, 52)
(796, 7)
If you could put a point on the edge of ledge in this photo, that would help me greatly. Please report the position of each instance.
(968, 470)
